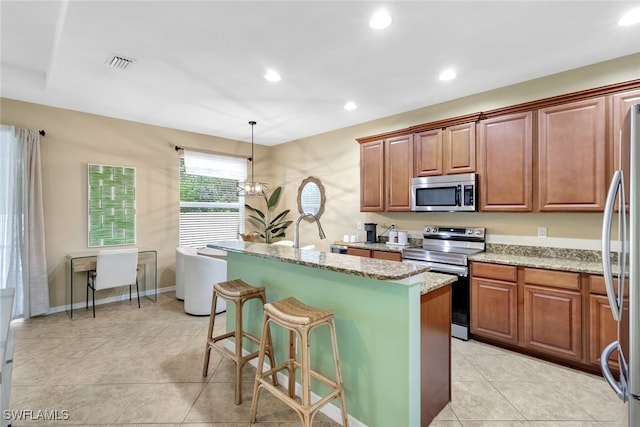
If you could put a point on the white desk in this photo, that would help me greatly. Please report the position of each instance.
(86, 261)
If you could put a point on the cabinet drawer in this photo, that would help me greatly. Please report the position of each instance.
(391, 256)
(597, 286)
(494, 271)
(557, 279)
(359, 252)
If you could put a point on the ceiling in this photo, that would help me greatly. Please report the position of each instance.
(199, 65)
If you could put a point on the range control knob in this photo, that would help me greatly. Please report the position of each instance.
(427, 230)
(478, 232)
(469, 231)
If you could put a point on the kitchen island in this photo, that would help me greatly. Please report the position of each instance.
(392, 321)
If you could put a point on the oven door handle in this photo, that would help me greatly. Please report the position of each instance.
(457, 270)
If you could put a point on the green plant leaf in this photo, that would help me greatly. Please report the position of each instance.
(258, 220)
(273, 199)
(258, 211)
(280, 215)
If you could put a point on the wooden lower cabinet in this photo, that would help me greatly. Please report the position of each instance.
(494, 309)
(370, 253)
(559, 315)
(359, 252)
(553, 321)
(390, 256)
(435, 353)
(602, 327)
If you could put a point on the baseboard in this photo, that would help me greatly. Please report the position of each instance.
(102, 301)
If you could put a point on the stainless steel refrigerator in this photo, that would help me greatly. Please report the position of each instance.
(622, 217)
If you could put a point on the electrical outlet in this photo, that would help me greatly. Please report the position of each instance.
(359, 225)
(542, 232)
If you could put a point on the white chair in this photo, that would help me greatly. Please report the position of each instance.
(201, 273)
(216, 253)
(114, 268)
(181, 251)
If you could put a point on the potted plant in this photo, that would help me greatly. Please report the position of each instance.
(271, 227)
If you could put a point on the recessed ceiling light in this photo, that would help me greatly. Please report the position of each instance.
(630, 18)
(272, 76)
(380, 20)
(448, 74)
(350, 106)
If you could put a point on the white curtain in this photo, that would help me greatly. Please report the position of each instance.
(23, 263)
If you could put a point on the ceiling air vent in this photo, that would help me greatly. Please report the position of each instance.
(119, 61)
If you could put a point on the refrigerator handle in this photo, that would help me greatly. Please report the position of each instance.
(606, 371)
(606, 244)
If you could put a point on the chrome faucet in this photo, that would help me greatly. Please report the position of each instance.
(296, 233)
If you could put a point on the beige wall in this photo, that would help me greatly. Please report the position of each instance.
(75, 139)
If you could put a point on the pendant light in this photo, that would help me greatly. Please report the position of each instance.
(252, 188)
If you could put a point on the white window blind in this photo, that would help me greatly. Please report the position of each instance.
(215, 165)
(210, 209)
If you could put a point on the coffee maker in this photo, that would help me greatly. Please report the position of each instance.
(370, 230)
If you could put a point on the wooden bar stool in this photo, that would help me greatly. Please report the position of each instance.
(237, 292)
(300, 320)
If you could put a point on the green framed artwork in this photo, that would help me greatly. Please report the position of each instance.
(112, 205)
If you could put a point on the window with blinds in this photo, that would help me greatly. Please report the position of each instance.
(210, 209)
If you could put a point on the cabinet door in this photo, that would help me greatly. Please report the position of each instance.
(494, 309)
(372, 176)
(621, 132)
(602, 327)
(398, 173)
(427, 153)
(505, 155)
(571, 155)
(391, 256)
(459, 149)
(553, 321)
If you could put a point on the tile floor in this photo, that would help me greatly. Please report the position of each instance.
(131, 366)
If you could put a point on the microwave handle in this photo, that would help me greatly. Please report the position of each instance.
(458, 191)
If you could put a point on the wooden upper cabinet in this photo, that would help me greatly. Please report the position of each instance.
(621, 132)
(386, 168)
(372, 176)
(398, 173)
(572, 149)
(427, 153)
(459, 149)
(505, 163)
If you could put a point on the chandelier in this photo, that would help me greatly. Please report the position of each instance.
(252, 188)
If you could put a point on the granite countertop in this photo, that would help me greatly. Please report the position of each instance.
(360, 266)
(574, 260)
(372, 246)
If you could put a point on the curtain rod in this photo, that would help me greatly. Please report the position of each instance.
(178, 148)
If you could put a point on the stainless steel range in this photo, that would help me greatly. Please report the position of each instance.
(446, 250)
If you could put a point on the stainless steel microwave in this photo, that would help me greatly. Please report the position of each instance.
(447, 193)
